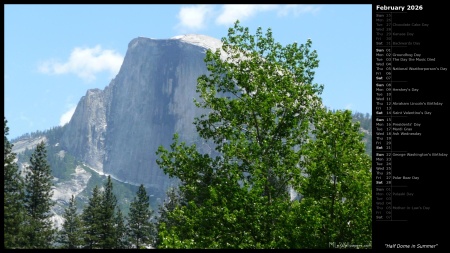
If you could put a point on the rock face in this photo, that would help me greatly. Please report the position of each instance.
(85, 135)
(118, 130)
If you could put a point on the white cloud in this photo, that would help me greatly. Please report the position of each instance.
(85, 63)
(65, 118)
(231, 12)
(296, 9)
(197, 17)
(194, 17)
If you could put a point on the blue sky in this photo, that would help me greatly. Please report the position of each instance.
(55, 53)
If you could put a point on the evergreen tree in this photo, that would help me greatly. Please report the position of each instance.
(71, 235)
(122, 240)
(140, 224)
(91, 220)
(38, 202)
(13, 212)
(107, 216)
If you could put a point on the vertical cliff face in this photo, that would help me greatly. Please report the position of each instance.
(85, 135)
(118, 130)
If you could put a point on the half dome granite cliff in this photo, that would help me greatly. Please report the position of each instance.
(118, 130)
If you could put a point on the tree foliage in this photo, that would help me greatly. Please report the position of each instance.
(71, 235)
(122, 232)
(140, 223)
(91, 218)
(38, 202)
(100, 220)
(13, 197)
(338, 185)
(263, 109)
(107, 218)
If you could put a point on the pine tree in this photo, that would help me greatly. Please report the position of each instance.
(122, 241)
(38, 202)
(141, 226)
(71, 236)
(107, 217)
(14, 212)
(91, 220)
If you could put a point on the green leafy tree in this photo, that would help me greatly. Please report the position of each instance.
(13, 197)
(91, 220)
(107, 216)
(140, 223)
(261, 103)
(71, 234)
(173, 200)
(38, 202)
(339, 183)
(262, 110)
